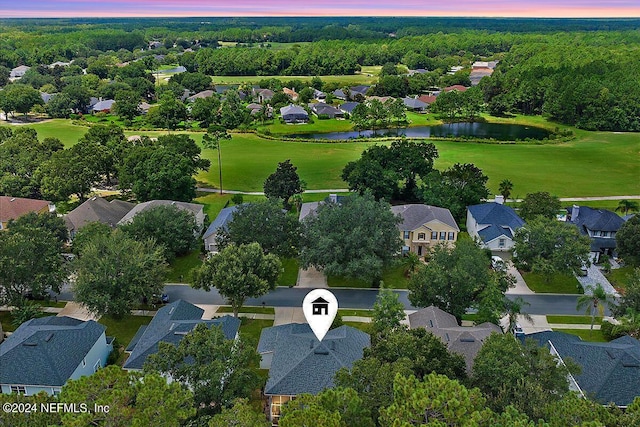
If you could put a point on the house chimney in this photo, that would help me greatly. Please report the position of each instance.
(575, 211)
(499, 199)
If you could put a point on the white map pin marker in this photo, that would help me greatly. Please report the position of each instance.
(320, 307)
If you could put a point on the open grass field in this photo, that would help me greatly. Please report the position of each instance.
(559, 284)
(585, 334)
(593, 164)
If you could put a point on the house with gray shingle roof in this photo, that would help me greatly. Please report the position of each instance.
(221, 223)
(170, 324)
(326, 110)
(600, 225)
(494, 224)
(294, 114)
(414, 104)
(610, 371)
(299, 363)
(103, 106)
(348, 107)
(96, 209)
(196, 209)
(464, 340)
(424, 226)
(44, 353)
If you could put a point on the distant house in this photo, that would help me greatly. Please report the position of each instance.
(326, 110)
(427, 99)
(459, 88)
(201, 95)
(220, 223)
(292, 94)
(46, 97)
(348, 107)
(413, 104)
(600, 225)
(144, 107)
(319, 95)
(382, 99)
(298, 363)
(494, 224)
(610, 371)
(425, 226)
(477, 73)
(18, 72)
(464, 340)
(339, 93)
(15, 207)
(417, 71)
(44, 353)
(170, 324)
(96, 209)
(359, 90)
(196, 209)
(263, 95)
(103, 106)
(154, 44)
(294, 114)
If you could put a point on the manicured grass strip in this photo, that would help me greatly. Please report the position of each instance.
(392, 277)
(5, 320)
(124, 329)
(364, 327)
(180, 269)
(559, 284)
(585, 334)
(620, 276)
(573, 320)
(251, 328)
(354, 312)
(245, 309)
(289, 275)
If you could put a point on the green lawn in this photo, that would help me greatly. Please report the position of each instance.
(180, 268)
(355, 312)
(364, 327)
(619, 276)
(251, 328)
(559, 284)
(247, 160)
(585, 334)
(125, 328)
(573, 320)
(289, 277)
(248, 309)
(392, 277)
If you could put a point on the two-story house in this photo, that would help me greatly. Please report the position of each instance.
(600, 225)
(493, 224)
(425, 226)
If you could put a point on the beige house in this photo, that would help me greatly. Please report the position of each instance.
(425, 226)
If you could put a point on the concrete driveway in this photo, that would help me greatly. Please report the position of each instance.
(311, 278)
(77, 311)
(521, 287)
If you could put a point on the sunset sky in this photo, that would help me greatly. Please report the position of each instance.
(115, 8)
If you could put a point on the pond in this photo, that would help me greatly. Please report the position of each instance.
(498, 131)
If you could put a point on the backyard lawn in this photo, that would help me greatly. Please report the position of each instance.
(559, 284)
(124, 329)
(251, 328)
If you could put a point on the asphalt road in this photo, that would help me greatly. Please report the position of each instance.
(352, 298)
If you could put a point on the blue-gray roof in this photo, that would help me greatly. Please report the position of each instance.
(302, 364)
(413, 103)
(221, 222)
(348, 107)
(293, 110)
(170, 324)
(596, 219)
(610, 371)
(47, 350)
(494, 220)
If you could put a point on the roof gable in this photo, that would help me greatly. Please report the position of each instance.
(597, 219)
(98, 209)
(221, 222)
(15, 207)
(496, 214)
(416, 215)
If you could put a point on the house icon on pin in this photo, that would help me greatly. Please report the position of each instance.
(320, 305)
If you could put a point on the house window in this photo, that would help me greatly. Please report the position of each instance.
(434, 235)
(56, 391)
(20, 389)
(501, 243)
(276, 404)
(443, 235)
(406, 235)
(421, 236)
(451, 236)
(97, 366)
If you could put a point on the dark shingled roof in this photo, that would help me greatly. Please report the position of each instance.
(415, 215)
(97, 209)
(302, 364)
(464, 340)
(170, 324)
(596, 219)
(610, 371)
(47, 350)
(494, 220)
(348, 107)
(221, 222)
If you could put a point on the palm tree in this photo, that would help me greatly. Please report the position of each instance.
(513, 309)
(212, 140)
(625, 206)
(594, 300)
(505, 188)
